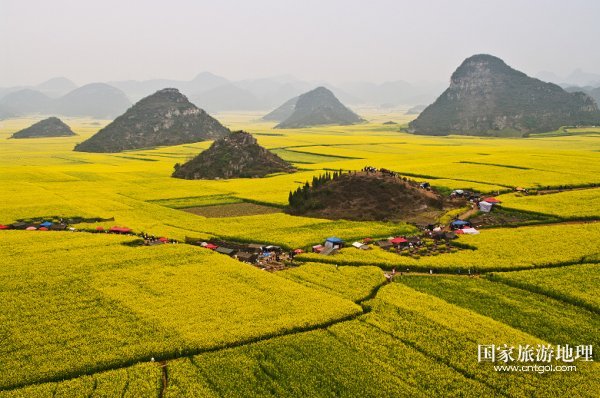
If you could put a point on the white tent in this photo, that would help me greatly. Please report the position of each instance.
(485, 207)
(470, 231)
(361, 246)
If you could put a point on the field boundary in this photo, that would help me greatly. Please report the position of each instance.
(544, 292)
(177, 354)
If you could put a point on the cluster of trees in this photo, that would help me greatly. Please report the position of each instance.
(301, 198)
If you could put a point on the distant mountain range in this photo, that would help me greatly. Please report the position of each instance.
(217, 94)
(576, 78)
(208, 91)
(593, 92)
(97, 100)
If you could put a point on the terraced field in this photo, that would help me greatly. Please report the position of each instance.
(89, 315)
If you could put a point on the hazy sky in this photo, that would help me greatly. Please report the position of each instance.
(371, 40)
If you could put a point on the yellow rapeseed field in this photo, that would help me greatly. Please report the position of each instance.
(85, 314)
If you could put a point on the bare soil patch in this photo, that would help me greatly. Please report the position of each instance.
(232, 210)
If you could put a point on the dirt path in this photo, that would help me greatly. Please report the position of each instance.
(164, 377)
(468, 214)
(556, 190)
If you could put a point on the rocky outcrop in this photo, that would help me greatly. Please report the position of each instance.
(489, 98)
(163, 118)
(237, 155)
(50, 127)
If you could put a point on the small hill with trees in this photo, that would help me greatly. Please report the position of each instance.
(318, 107)
(366, 195)
(237, 155)
(50, 127)
(163, 118)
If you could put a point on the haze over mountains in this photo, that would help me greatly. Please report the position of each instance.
(97, 100)
(577, 78)
(208, 91)
(61, 96)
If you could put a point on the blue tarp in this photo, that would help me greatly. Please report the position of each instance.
(459, 223)
(334, 240)
(46, 224)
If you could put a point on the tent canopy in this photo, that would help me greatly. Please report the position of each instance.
(46, 224)
(383, 243)
(491, 200)
(224, 250)
(485, 207)
(123, 230)
(398, 240)
(460, 223)
(334, 240)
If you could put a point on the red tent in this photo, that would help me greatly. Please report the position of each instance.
(367, 240)
(30, 229)
(492, 200)
(4, 226)
(120, 230)
(459, 231)
(43, 229)
(211, 246)
(397, 241)
(298, 251)
(163, 239)
(99, 228)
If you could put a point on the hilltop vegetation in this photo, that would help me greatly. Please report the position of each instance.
(365, 196)
(236, 155)
(316, 107)
(163, 118)
(50, 127)
(487, 97)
